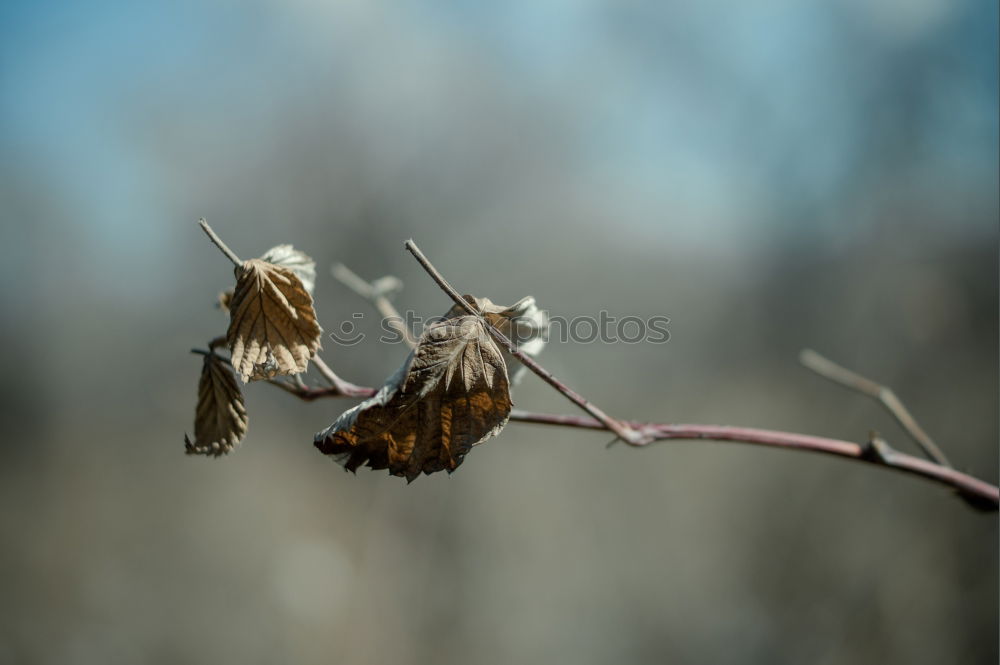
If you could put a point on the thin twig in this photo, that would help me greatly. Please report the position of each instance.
(340, 385)
(340, 388)
(623, 431)
(351, 280)
(230, 254)
(308, 394)
(883, 394)
(375, 293)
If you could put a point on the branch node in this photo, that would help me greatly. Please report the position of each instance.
(877, 449)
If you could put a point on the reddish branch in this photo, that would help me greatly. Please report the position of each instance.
(977, 492)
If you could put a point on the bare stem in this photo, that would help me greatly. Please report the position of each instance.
(342, 387)
(882, 394)
(375, 293)
(339, 387)
(977, 492)
(308, 394)
(351, 280)
(230, 254)
(623, 431)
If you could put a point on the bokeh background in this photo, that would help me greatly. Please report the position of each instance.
(768, 174)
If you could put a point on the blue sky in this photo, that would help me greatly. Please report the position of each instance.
(737, 114)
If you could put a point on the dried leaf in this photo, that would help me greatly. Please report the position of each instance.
(523, 323)
(272, 327)
(450, 394)
(298, 262)
(220, 420)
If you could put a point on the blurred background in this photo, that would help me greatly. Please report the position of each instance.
(769, 175)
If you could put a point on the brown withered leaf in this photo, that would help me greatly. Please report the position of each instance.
(523, 323)
(272, 326)
(220, 420)
(450, 394)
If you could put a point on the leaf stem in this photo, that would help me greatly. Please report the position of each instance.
(230, 254)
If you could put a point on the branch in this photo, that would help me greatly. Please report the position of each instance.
(308, 394)
(338, 387)
(982, 494)
(342, 387)
(883, 394)
(620, 429)
(978, 493)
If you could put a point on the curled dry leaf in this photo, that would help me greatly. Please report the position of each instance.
(450, 394)
(272, 326)
(523, 323)
(220, 420)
